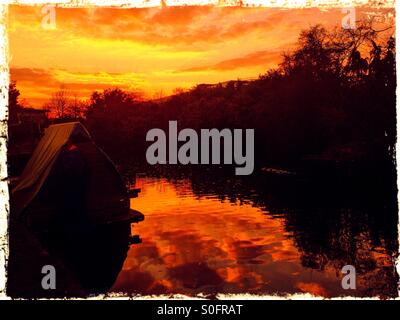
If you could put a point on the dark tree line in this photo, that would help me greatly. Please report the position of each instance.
(332, 97)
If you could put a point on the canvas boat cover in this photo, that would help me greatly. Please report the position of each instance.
(42, 161)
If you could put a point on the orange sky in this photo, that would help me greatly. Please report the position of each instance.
(150, 50)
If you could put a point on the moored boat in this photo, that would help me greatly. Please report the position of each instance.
(70, 182)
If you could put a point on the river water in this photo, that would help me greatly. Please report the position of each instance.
(207, 237)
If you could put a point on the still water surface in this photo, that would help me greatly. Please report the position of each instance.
(205, 241)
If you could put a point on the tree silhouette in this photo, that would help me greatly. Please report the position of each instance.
(59, 103)
(332, 98)
(13, 104)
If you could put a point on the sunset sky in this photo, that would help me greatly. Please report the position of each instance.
(149, 50)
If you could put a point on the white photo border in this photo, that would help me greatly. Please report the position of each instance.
(4, 84)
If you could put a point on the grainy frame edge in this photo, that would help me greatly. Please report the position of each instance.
(4, 198)
(4, 83)
(397, 138)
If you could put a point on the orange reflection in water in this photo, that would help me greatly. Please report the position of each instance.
(195, 244)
